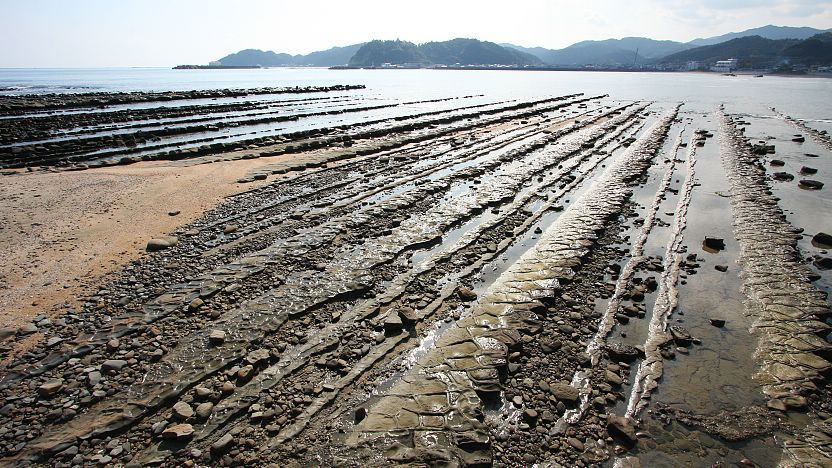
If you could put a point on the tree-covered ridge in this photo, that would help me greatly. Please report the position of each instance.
(759, 52)
(453, 52)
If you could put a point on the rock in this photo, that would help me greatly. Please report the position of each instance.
(776, 404)
(622, 428)
(93, 378)
(408, 314)
(28, 329)
(714, 243)
(113, 365)
(50, 387)
(722, 268)
(203, 393)
(222, 444)
(182, 411)
(823, 263)
(782, 176)
(195, 304)
(622, 352)
(173, 213)
(258, 356)
(203, 410)
(799, 139)
(808, 170)
(822, 240)
(612, 378)
(777, 162)
(680, 335)
(530, 415)
(466, 294)
(564, 392)
(717, 322)
(811, 184)
(178, 432)
(575, 443)
(161, 243)
(229, 228)
(217, 337)
(393, 322)
(797, 402)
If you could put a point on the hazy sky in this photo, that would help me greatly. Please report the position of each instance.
(108, 33)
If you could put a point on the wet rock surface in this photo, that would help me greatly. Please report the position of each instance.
(485, 284)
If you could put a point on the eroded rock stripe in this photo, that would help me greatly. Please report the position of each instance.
(439, 403)
(788, 308)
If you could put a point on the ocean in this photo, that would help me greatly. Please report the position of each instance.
(802, 97)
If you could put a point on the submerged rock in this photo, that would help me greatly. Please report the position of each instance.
(680, 335)
(811, 184)
(717, 322)
(714, 243)
(622, 428)
(808, 170)
(782, 176)
(822, 240)
(622, 352)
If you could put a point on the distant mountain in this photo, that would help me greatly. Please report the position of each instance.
(376, 53)
(324, 58)
(759, 52)
(456, 51)
(610, 52)
(758, 47)
(330, 57)
(767, 32)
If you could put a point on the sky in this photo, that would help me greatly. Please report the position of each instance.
(147, 33)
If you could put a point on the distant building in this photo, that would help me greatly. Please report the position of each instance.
(692, 65)
(725, 66)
